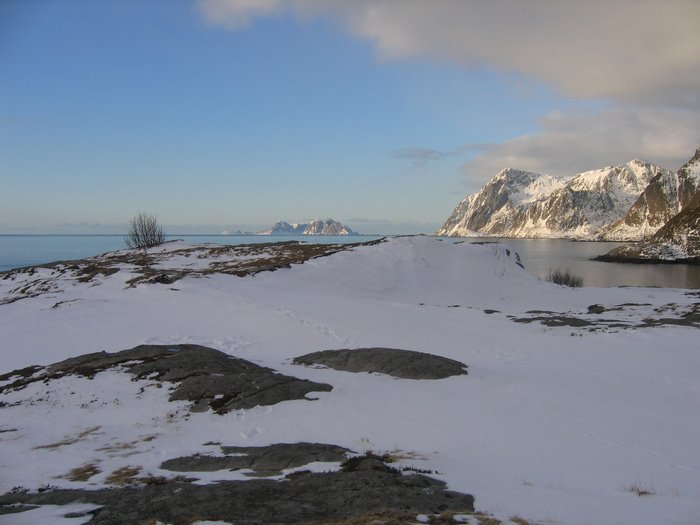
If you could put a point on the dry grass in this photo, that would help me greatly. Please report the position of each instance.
(123, 476)
(117, 447)
(485, 519)
(565, 278)
(70, 440)
(83, 473)
(399, 455)
(519, 520)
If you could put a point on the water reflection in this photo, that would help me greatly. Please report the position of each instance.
(539, 256)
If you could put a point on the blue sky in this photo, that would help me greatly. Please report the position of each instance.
(223, 114)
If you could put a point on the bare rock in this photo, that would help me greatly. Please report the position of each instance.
(273, 458)
(406, 364)
(205, 376)
(313, 497)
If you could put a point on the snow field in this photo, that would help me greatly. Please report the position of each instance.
(554, 424)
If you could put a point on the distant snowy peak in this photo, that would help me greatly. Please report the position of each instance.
(315, 227)
(667, 194)
(284, 228)
(505, 192)
(522, 204)
(327, 227)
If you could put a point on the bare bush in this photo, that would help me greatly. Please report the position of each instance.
(565, 278)
(144, 232)
(640, 490)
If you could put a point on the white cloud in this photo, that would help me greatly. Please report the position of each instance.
(631, 50)
(237, 14)
(571, 142)
(641, 56)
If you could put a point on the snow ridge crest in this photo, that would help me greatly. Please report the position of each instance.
(625, 202)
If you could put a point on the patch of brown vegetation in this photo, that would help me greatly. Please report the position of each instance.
(520, 521)
(485, 519)
(83, 473)
(123, 476)
(89, 272)
(149, 267)
(116, 447)
(70, 440)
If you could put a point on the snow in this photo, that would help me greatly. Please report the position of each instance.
(555, 424)
(544, 206)
(539, 189)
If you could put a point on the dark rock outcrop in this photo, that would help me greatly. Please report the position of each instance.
(270, 459)
(207, 377)
(322, 496)
(405, 364)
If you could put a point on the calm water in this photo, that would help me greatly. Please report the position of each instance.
(538, 255)
(17, 251)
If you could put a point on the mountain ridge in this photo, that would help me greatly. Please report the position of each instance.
(516, 203)
(667, 194)
(315, 227)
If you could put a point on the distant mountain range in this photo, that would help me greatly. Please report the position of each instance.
(629, 202)
(315, 227)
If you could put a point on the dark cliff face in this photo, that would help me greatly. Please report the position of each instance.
(688, 180)
(496, 195)
(666, 195)
(656, 205)
(677, 240)
(683, 227)
(476, 211)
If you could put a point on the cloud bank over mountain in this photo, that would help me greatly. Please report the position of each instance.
(638, 58)
(580, 48)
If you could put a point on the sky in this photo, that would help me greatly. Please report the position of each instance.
(384, 114)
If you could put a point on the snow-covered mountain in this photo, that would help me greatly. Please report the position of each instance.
(284, 228)
(490, 210)
(327, 227)
(315, 227)
(677, 240)
(666, 195)
(522, 204)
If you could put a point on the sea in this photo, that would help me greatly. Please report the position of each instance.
(539, 256)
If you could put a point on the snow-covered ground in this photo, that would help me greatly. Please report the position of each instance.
(556, 424)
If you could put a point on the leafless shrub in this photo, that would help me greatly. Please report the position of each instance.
(640, 490)
(144, 232)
